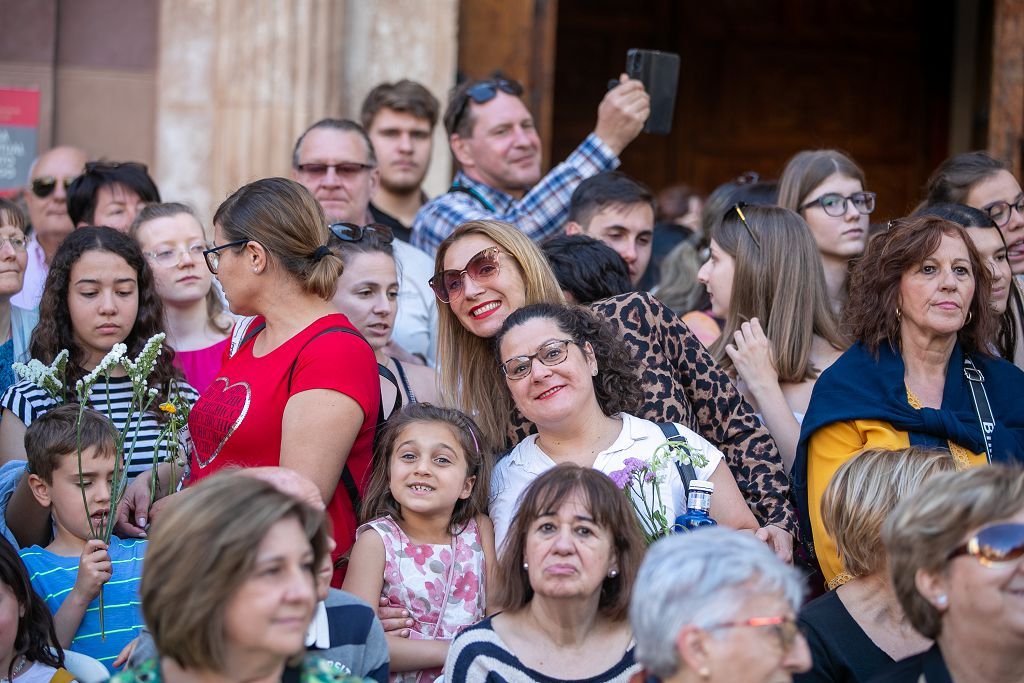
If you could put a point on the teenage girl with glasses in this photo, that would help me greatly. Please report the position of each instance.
(826, 188)
(197, 326)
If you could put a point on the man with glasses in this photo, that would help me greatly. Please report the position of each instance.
(400, 119)
(111, 193)
(334, 159)
(46, 198)
(493, 138)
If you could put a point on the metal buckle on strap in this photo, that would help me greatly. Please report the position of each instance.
(974, 375)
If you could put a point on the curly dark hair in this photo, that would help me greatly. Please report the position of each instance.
(54, 331)
(615, 385)
(871, 314)
(35, 632)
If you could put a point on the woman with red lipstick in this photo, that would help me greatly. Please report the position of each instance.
(197, 326)
(826, 188)
(485, 270)
(977, 180)
(99, 292)
(368, 295)
(921, 372)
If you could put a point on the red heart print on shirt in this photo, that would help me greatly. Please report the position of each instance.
(216, 416)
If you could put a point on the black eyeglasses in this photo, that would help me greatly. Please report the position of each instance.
(1000, 212)
(350, 232)
(212, 255)
(484, 92)
(101, 166)
(835, 204)
(738, 208)
(551, 353)
(44, 186)
(346, 169)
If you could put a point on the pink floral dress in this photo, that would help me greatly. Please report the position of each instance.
(441, 586)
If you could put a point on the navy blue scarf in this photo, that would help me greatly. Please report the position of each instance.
(859, 386)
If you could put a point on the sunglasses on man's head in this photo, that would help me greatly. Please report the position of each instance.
(994, 546)
(448, 284)
(350, 232)
(484, 92)
(44, 186)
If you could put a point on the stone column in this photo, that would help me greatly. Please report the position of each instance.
(239, 80)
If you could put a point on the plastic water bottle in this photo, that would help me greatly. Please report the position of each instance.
(698, 502)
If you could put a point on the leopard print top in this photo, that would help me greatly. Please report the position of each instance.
(683, 384)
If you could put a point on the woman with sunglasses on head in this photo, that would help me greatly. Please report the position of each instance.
(826, 188)
(921, 372)
(956, 556)
(298, 387)
(486, 270)
(765, 279)
(16, 323)
(981, 182)
(99, 292)
(369, 297)
(197, 326)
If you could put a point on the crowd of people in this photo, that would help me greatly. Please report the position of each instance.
(350, 432)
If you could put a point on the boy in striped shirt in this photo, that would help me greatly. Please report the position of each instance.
(71, 571)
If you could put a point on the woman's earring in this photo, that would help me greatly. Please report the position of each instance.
(526, 565)
(898, 314)
(612, 573)
(970, 314)
(942, 600)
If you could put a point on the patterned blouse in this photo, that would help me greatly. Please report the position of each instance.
(311, 670)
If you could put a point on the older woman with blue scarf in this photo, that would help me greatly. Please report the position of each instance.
(921, 372)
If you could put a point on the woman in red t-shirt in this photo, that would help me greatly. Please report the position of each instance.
(298, 387)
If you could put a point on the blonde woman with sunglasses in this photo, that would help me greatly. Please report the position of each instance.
(956, 557)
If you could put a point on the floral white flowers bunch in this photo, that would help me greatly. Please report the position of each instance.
(49, 378)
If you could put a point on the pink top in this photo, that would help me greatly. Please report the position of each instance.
(201, 366)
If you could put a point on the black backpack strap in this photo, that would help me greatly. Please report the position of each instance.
(347, 478)
(686, 472)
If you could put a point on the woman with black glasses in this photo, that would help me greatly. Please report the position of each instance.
(298, 387)
(826, 188)
(977, 180)
(956, 557)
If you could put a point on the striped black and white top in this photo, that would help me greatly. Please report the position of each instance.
(478, 655)
(113, 399)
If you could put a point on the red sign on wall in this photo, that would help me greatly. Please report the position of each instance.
(19, 135)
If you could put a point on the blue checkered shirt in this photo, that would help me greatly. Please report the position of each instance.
(542, 211)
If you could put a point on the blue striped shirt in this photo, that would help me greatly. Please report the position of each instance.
(53, 577)
(541, 212)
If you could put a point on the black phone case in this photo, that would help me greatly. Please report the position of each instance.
(659, 72)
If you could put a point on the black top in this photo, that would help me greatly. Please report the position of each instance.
(401, 231)
(927, 667)
(840, 649)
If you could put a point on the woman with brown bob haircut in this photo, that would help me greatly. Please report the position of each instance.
(228, 590)
(919, 310)
(564, 579)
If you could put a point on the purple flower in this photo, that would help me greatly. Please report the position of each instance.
(634, 464)
(649, 477)
(620, 477)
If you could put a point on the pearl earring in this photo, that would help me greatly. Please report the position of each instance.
(612, 573)
(526, 565)
(942, 600)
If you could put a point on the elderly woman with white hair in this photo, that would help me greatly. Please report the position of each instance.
(717, 605)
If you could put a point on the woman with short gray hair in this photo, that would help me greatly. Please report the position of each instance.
(717, 605)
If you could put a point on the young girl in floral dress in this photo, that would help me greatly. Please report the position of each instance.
(427, 545)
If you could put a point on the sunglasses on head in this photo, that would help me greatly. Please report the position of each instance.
(484, 92)
(447, 284)
(350, 232)
(994, 546)
(44, 186)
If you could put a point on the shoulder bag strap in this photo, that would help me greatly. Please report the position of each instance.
(347, 478)
(976, 383)
(686, 472)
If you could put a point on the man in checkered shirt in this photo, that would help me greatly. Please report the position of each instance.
(493, 138)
